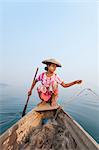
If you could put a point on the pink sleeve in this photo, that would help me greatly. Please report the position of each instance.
(59, 80)
(39, 78)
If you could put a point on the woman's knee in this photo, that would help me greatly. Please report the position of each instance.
(55, 85)
(54, 96)
(55, 88)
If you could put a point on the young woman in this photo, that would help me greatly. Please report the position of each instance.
(48, 90)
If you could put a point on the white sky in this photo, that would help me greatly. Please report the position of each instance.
(31, 31)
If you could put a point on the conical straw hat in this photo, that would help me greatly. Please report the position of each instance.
(53, 61)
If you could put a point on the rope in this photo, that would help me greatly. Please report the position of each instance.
(79, 93)
(93, 92)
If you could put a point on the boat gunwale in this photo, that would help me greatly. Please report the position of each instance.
(8, 132)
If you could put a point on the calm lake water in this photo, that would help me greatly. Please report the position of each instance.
(84, 108)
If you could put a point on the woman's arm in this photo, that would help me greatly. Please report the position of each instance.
(32, 86)
(70, 84)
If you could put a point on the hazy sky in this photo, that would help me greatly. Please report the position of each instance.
(31, 31)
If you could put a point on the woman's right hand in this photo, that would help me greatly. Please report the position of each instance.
(78, 81)
(29, 93)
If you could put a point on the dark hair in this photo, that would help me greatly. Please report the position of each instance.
(48, 64)
(46, 68)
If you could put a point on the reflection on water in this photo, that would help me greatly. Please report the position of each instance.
(84, 108)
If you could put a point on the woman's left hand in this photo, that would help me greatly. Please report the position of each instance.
(78, 81)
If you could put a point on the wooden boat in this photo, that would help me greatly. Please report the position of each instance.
(47, 128)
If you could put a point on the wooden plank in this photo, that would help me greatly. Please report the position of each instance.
(43, 106)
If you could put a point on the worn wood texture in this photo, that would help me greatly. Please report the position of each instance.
(60, 132)
(51, 136)
(43, 106)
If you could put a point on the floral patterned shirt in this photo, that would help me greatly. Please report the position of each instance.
(47, 82)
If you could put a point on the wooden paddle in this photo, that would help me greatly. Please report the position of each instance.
(24, 110)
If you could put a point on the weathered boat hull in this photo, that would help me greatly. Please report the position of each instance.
(14, 137)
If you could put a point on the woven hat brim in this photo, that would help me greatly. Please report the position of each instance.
(53, 62)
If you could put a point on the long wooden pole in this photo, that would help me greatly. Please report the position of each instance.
(24, 110)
